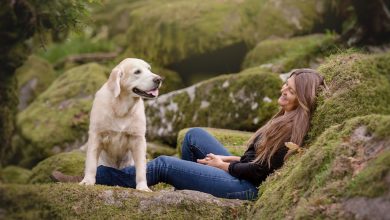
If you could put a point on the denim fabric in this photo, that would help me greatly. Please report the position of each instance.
(185, 173)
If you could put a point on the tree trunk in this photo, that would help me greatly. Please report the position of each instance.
(373, 19)
(16, 26)
(8, 103)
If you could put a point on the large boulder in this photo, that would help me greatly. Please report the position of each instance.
(344, 174)
(194, 38)
(34, 76)
(241, 101)
(180, 29)
(172, 80)
(234, 141)
(58, 119)
(70, 163)
(71, 201)
(284, 54)
(14, 174)
(358, 85)
(73, 163)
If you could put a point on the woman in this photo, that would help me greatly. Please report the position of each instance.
(207, 166)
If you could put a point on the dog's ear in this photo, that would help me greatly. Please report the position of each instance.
(114, 81)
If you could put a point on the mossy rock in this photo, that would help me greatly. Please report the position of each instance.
(234, 141)
(270, 18)
(34, 76)
(241, 101)
(71, 201)
(58, 119)
(358, 85)
(70, 163)
(14, 174)
(172, 80)
(284, 54)
(155, 149)
(348, 162)
(181, 29)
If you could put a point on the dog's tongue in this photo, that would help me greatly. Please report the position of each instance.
(153, 92)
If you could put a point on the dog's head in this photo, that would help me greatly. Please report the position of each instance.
(134, 77)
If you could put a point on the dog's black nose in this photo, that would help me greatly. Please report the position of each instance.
(157, 80)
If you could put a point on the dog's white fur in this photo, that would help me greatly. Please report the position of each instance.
(117, 122)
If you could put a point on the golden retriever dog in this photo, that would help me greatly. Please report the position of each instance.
(116, 136)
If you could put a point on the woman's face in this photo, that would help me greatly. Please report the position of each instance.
(288, 99)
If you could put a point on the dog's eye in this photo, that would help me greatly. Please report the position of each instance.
(137, 72)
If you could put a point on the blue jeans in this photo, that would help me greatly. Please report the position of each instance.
(185, 173)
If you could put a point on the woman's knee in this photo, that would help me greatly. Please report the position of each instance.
(192, 134)
(165, 160)
(195, 131)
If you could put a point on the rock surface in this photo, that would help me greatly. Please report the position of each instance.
(241, 101)
(346, 167)
(71, 201)
(33, 77)
(58, 119)
(358, 84)
(284, 54)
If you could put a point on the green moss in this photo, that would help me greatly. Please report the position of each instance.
(241, 101)
(70, 163)
(180, 29)
(59, 116)
(286, 54)
(14, 174)
(284, 19)
(234, 141)
(310, 185)
(356, 87)
(71, 201)
(371, 181)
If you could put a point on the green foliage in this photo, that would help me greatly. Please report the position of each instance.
(61, 15)
(73, 45)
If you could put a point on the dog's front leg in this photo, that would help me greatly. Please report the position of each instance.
(93, 152)
(139, 156)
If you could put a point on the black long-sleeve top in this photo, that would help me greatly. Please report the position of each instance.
(256, 172)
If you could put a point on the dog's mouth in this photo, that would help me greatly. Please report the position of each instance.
(153, 93)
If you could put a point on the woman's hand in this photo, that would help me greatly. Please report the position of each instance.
(214, 161)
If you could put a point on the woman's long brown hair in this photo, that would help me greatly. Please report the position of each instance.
(293, 125)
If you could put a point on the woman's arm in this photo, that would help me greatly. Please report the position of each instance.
(218, 161)
(229, 158)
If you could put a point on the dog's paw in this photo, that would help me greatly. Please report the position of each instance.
(143, 187)
(88, 181)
